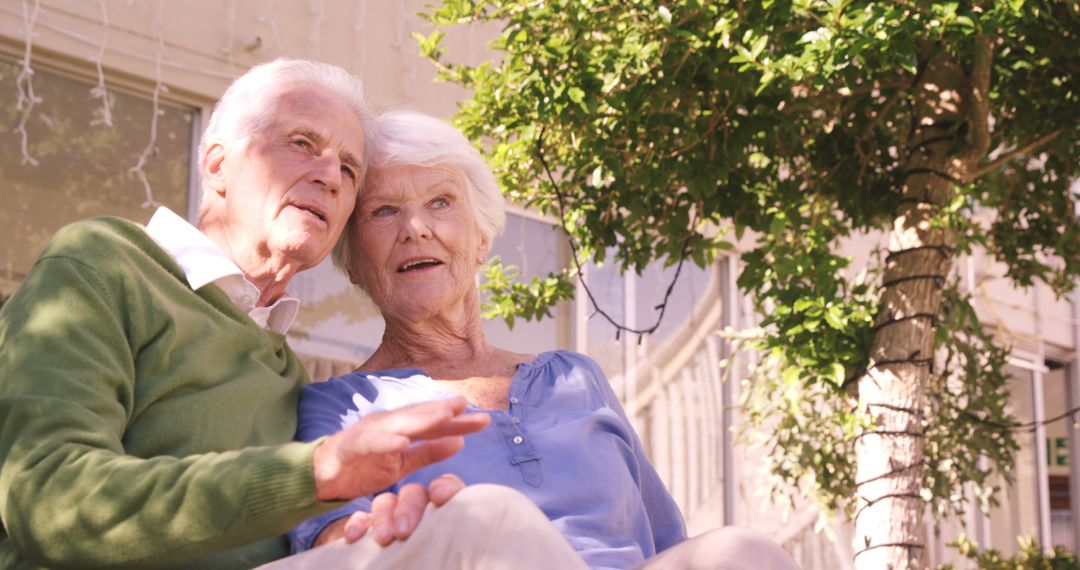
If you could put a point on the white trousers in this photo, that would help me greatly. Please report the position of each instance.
(491, 527)
(484, 527)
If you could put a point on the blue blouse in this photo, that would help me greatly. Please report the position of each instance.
(564, 442)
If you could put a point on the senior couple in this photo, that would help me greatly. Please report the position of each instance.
(149, 401)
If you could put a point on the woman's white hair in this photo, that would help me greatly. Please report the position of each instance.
(409, 138)
(244, 111)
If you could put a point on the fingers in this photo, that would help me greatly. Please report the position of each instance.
(463, 424)
(382, 518)
(352, 463)
(443, 488)
(429, 420)
(333, 531)
(424, 453)
(412, 500)
(383, 447)
(357, 526)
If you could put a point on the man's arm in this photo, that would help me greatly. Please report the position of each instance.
(70, 495)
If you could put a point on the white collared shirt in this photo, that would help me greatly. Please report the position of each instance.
(203, 263)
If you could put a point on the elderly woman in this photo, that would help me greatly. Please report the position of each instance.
(421, 230)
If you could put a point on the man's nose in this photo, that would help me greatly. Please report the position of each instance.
(326, 171)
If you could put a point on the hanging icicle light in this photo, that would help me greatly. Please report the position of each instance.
(25, 81)
(231, 41)
(358, 36)
(159, 87)
(104, 113)
(267, 18)
(318, 13)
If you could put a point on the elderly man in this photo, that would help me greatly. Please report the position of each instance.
(148, 397)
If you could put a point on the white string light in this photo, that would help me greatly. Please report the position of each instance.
(228, 49)
(411, 61)
(470, 40)
(25, 82)
(318, 12)
(399, 33)
(103, 114)
(404, 18)
(268, 19)
(136, 55)
(159, 87)
(358, 36)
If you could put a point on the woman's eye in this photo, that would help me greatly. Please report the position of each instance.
(302, 143)
(440, 203)
(348, 172)
(382, 211)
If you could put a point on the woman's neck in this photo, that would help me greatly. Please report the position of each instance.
(435, 344)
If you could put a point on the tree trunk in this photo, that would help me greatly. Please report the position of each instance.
(889, 530)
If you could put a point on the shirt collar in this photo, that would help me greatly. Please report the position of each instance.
(203, 263)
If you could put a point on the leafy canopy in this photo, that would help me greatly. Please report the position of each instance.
(665, 123)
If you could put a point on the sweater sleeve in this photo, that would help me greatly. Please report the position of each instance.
(69, 495)
(665, 520)
(323, 411)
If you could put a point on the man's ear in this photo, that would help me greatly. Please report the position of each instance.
(213, 168)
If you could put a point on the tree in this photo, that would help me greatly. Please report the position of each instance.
(649, 126)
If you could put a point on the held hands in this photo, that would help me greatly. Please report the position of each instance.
(393, 517)
(380, 449)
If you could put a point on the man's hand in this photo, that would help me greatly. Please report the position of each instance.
(381, 448)
(393, 517)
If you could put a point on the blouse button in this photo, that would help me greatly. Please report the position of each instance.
(517, 421)
(513, 400)
(518, 440)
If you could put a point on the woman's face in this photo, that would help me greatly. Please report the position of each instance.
(414, 242)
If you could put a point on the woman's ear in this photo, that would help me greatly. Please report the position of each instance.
(354, 276)
(213, 168)
(482, 254)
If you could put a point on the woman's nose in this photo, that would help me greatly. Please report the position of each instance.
(416, 226)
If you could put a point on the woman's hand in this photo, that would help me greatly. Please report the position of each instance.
(393, 517)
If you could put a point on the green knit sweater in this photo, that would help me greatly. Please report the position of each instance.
(142, 424)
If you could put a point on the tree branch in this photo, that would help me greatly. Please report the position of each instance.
(1010, 156)
(979, 116)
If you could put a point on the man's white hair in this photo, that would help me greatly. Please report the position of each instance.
(409, 138)
(244, 110)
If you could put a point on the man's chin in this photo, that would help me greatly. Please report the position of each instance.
(305, 253)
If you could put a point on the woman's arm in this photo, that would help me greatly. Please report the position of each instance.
(665, 520)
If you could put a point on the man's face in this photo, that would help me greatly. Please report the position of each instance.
(290, 190)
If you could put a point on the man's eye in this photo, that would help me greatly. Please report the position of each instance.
(348, 172)
(302, 143)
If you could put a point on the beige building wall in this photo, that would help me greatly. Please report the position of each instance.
(188, 51)
(196, 47)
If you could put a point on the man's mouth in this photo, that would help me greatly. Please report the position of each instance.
(418, 264)
(311, 210)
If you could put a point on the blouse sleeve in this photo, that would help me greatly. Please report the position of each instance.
(665, 520)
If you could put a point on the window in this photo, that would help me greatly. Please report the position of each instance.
(83, 168)
(535, 247)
